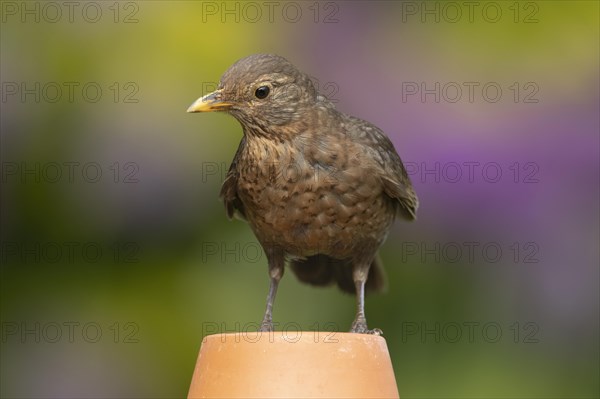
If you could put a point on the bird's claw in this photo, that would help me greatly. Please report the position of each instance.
(267, 326)
(361, 328)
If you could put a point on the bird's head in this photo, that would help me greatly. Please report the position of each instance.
(261, 90)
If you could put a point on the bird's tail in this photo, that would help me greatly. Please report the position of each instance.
(322, 270)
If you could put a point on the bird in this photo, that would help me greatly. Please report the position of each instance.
(320, 189)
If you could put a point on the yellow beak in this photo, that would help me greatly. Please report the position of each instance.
(209, 102)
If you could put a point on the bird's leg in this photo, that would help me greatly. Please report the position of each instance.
(359, 275)
(360, 321)
(276, 264)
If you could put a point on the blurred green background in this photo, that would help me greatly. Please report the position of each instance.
(117, 256)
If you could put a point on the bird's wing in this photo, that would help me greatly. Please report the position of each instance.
(229, 195)
(388, 166)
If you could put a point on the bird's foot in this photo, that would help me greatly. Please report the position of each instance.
(267, 326)
(361, 328)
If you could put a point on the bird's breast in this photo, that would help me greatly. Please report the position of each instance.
(309, 202)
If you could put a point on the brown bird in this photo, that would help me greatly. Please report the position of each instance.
(319, 188)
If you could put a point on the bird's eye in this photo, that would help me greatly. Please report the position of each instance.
(262, 92)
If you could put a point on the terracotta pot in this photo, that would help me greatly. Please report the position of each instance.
(293, 364)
